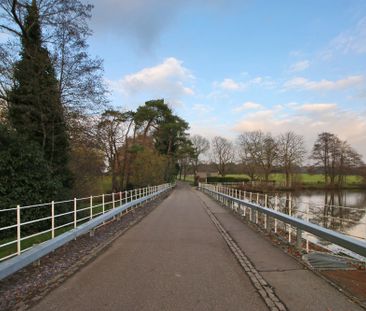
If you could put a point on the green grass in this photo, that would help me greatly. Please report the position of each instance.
(97, 209)
(307, 179)
(304, 178)
(106, 184)
(12, 248)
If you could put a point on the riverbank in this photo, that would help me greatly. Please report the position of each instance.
(301, 181)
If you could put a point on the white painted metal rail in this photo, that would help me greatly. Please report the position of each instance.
(77, 217)
(230, 197)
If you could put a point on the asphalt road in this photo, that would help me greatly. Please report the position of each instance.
(174, 259)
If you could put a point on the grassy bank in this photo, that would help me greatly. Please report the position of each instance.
(305, 180)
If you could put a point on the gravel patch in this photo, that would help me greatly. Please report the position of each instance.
(29, 285)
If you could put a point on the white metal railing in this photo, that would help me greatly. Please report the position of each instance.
(265, 211)
(26, 229)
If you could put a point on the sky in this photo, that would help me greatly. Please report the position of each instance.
(229, 66)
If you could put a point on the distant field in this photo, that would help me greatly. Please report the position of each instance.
(305, 178)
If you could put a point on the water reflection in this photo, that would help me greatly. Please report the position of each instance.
(343, 211)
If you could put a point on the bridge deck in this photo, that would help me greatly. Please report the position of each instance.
(176, 259)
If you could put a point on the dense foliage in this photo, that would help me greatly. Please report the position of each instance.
(35, 109)
(25, 176)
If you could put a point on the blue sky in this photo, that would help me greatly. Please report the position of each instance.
(232, 66)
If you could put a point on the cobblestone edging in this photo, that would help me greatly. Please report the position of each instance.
(263, 288)
(27, 287)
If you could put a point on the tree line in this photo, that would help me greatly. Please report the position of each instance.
(58, 136)
(261, 154)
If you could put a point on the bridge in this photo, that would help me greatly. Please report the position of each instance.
(191, 253)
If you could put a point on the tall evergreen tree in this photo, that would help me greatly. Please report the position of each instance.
(35, 110)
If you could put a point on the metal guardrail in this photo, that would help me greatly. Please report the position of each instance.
(14, 264)
(337, 238)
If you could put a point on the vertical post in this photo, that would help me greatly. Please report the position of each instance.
(19, 248)
(307, 234)
(91, 207)
(298, 238)
(120, 198)
(276, 208)
(103, 203)
(113, 201)
(53, 219)
(75, 213)
(250, 209)
(289, 213)
(265, 215)
(256, 212)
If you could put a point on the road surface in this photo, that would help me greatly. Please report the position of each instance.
(176, 259)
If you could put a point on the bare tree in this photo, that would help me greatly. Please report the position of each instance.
(200, 146)
(269, 155)
(335, 157)
(248, 145)
(291, 151)
(111, 133)
(348, 159)
(324, 153)
(258, 152)
(65, 32)
(222, 153)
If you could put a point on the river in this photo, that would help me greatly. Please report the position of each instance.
(343, 211)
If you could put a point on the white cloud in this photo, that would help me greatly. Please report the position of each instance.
(247, 106)
(168, 79)
(324, 85)
(265, 82)
(300, 66)
(201, 108)
(351, 126)
(316, 107)
(231, 85)
(352, 40)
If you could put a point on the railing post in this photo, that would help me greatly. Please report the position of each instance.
(298, 238)
(19, 247)
(53, 219)
(256, 212)
(113, 201)
(103, 204)
(289, 213)
(250, 209)
(265, 215)
(120, 198)
(75, 213)
(91, 207)
(307, 234)
(276, 208)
